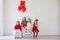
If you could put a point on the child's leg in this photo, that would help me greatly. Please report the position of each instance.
(21, 34)
(36, 34)
(14, 33)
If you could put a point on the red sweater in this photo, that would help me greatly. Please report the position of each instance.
(35, 29)
(18, 27)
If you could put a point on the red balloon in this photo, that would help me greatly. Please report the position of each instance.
(22, 6)
(19, 8)
(24, 9)
(22, 3)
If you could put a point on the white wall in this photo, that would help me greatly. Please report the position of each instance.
(45, 10)
(59, 17)
(1, 17)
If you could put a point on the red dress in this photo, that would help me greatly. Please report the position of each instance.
(18, 27)
(35, 29)
(24, 24)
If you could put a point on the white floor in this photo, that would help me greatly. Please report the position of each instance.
(31, 38)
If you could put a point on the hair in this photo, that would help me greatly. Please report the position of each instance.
(35, 23)
(25, 18)
(29, 20)
(18, 22)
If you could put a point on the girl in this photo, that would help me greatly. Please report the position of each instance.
(29, 26)
(24, 25)
(24, 22)
(18, 30)
(35, 29)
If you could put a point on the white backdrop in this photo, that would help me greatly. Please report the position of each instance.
(1, 17)
(59, 16)
(45, 10)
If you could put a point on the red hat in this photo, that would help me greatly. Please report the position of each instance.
(36, 19)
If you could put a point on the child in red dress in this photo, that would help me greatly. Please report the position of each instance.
(18, 26)
(24, 26)
(24, 22)
(18, 30)
(35, 28)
